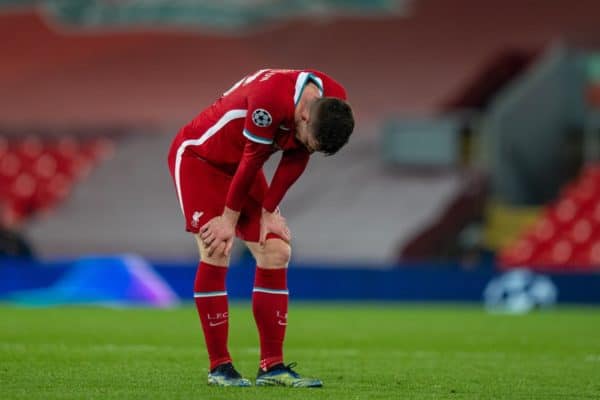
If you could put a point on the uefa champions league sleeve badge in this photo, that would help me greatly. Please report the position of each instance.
(261, 118)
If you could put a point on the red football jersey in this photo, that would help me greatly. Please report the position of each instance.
(249, 122)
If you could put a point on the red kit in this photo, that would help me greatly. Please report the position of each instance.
(216, 160)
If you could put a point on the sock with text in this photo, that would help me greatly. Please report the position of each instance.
(270, 307)
(210, 296)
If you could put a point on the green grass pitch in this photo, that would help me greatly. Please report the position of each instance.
(360, 350)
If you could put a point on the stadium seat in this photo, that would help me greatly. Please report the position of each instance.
(45, 166)
(10, 166)
(594, 254)
(581, 231)
(520, 253)
(544, 230)
(29, 149)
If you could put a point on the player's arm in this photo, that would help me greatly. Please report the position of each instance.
(292, 165)
(222, 229)
(253, 158)
(262, 120)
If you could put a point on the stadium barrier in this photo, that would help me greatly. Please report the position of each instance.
(406, 282)
(119, 280)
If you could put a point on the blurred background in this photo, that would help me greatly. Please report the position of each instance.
(475, 154)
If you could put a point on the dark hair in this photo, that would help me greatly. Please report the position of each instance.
(333, 124)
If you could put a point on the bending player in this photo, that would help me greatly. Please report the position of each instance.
(216, 163)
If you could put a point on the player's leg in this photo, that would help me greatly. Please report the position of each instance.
(270, 296)
(202, 190)
(270, 300)
(270, 308)
(210, 296)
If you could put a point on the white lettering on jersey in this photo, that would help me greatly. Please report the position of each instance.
(273, 72)
(245, 80)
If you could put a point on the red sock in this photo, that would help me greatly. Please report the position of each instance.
(270, 306)
(211, 303)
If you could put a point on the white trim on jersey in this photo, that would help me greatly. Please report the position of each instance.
(302, 80)
(256, 139)
(225, 119)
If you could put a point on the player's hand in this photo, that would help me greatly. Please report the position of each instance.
(274, 223)
(217, 235)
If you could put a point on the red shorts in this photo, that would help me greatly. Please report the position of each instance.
(202, 189)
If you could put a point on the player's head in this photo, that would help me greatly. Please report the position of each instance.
(328, 127)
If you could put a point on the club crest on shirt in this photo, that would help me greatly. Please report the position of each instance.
(196, 218)
(261, 118)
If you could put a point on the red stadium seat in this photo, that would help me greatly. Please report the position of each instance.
(45, 167)
(10, 166)
(544, 230)
(581, 231)
(21, 192)
(565, 211)
(594, 254)
(562, 251)
(29, 149)
(98, 149)
(521, 253)
(594, 213)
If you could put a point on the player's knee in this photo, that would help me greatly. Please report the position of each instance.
(219, 260)
(214, 259)
(275, 254)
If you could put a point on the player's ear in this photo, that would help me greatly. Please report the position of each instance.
(305, 114)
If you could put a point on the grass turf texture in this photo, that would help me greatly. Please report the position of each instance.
(361, 351)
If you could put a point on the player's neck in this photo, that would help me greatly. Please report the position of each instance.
(311, 92)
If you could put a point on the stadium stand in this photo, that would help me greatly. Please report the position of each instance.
(393, 65)
(37, 173)
(450, 236)
(145, 218)
(390, 65)
(567, 233)
(492, 76)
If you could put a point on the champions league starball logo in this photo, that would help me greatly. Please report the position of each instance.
(519, 291)
(261, 118)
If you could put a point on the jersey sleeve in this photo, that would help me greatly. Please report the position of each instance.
(253, 158)
(266, 111)
(291, 166)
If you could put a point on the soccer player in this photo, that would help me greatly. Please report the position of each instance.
(216, 163)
